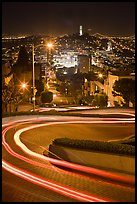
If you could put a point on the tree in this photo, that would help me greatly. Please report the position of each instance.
(23, 57)
(7, 92)
(100, 100)
(86, 100)
(22, 62)
(17, 99)
(90, 76)
(46, 97)
(39, 86)
(11, 95)
(125, 87)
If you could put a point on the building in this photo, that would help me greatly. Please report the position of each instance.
(83, 63)
(66, 59)
(80, 30)
(107, 88)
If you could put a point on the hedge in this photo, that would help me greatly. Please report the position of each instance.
(90, 145)
(64, 113)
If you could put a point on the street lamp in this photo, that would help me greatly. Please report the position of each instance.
(49, 45)
(24, 86)
(100, 75)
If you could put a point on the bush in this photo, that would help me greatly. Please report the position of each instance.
(96, 146)
(117, 105)
(46, 97)
(100, 100)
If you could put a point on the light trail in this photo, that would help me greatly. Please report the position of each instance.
(52, 186)
(58, 162)
(19, 172)
(64, 163)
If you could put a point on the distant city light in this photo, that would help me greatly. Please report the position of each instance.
(65, 72)
(85, 80)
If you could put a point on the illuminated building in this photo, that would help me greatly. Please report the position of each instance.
(83, 63)
(109, 48)
(80, 30)
(107, 87)
(65, 59)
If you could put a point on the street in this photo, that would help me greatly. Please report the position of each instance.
(28, 176)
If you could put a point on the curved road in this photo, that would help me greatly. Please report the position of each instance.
(29, 176)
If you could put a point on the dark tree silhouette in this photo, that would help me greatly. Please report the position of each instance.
(23, 57)
(126, 88)
(39, 86)
(22, 63)
(46, 97)
(100, 99)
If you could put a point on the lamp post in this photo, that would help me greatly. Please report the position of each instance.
(33, 77)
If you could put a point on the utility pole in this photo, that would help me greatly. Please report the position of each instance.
(89, 61)
(33, 78)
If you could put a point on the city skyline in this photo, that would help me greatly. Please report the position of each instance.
(58, 18)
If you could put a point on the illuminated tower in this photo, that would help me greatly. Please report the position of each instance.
(80, 31)
(109, 48)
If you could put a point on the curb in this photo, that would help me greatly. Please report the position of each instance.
(113, 162)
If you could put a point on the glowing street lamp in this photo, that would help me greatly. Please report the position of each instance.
(24, 86)
(50, 45)
(100, 75)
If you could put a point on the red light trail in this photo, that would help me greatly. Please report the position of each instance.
(64, 190)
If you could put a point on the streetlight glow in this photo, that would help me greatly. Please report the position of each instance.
(23, 85)
(49, 45)
(100, 75)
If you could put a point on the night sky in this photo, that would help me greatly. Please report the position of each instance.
(57, 18)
